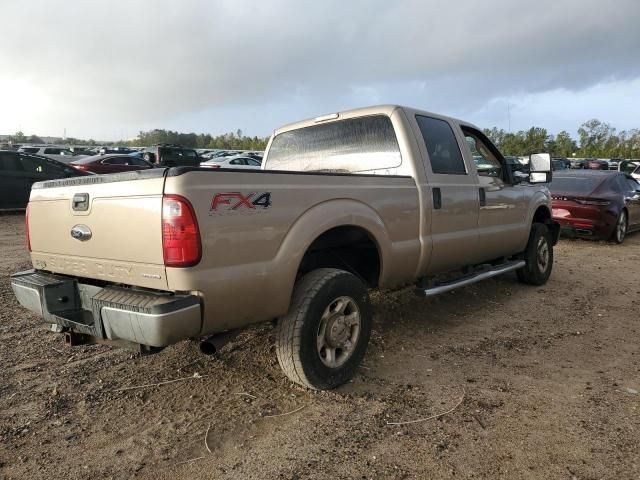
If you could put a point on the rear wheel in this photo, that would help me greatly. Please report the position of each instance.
(324, 337)
(620, 230)
(538, 256)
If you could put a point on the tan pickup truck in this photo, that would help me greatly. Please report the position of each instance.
(378, 197)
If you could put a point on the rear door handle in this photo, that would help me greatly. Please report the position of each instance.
(437, 198)
(483, 197)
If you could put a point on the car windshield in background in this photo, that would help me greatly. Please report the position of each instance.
(575, 185)
(345, 146)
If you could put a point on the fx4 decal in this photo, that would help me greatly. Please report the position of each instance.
(234, 201)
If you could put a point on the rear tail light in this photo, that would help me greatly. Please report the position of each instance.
(596, 203)
(180, 234)
(26, 228)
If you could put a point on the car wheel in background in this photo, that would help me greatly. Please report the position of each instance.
(324, 336)
(538, 256)
(620, 230)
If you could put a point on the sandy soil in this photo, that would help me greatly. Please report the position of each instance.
(548, 377)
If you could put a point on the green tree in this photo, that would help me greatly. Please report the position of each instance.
(564, 145)
(594, 135)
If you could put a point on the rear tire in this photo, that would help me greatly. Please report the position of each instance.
(538, 256)
(322, 340)
(620, 230)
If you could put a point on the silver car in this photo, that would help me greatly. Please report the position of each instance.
(237, 161)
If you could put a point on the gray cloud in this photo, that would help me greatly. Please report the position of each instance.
(132, 63)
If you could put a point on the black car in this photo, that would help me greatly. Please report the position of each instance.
(171, 156)
(19, 171)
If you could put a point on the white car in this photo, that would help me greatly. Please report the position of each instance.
(237, 161)
(61, 154)
(632, 167)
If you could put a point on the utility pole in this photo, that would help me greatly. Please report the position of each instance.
(509, 114)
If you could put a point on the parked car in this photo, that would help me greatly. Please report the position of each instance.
(614, 162)
(20, 170)
(377, 197)
(558, 164)
(596, 204)
(578, 163)
(596, 164)
(238, 161)
(561, 160)
(61, 154)
(631, 167)
(112, 163)
(171, 156)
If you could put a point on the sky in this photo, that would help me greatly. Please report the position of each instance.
(107, 69)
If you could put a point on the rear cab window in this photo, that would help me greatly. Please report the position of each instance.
(442, 147)
(354, 145)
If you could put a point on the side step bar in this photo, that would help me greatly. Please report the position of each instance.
(463, 282)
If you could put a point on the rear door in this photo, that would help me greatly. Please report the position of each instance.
(13, 188)
(453, 189)
(632, 200)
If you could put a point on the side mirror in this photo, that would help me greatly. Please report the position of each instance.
(540, 168)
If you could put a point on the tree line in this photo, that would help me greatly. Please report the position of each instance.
(228, 141)
(596, 139)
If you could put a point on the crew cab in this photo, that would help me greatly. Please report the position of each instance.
(379, 197)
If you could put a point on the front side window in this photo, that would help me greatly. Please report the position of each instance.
(633, 184)
(442, 146)
(353, 145)
(37, 165)
(486, 161)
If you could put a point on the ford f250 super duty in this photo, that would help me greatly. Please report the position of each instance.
(379, 197)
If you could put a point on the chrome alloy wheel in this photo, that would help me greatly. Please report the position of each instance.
(621, 227)
(338, 332)
(543, 254)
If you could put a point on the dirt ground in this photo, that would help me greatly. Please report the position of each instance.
(548, 377)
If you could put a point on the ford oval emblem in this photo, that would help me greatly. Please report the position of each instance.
(81, 232)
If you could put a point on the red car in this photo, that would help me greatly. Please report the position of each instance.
(112, 163)
(596, 204)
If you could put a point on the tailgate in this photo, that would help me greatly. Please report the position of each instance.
(105, 227)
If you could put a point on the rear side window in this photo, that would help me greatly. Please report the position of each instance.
(442, 146)
(117, 161)
(8, 162)
(346, 146)
(29, 149)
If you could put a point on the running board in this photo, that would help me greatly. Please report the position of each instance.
(463, 282)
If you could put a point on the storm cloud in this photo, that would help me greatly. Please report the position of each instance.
(111, 68)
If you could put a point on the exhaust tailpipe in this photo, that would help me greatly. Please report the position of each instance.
(213, 344)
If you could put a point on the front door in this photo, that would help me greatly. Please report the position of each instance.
(13, 189)
(503, 206)
(452, 192)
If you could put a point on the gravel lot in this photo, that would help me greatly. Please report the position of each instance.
(548, 377)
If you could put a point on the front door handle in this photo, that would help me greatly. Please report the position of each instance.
(483, 197)
(437, 198)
